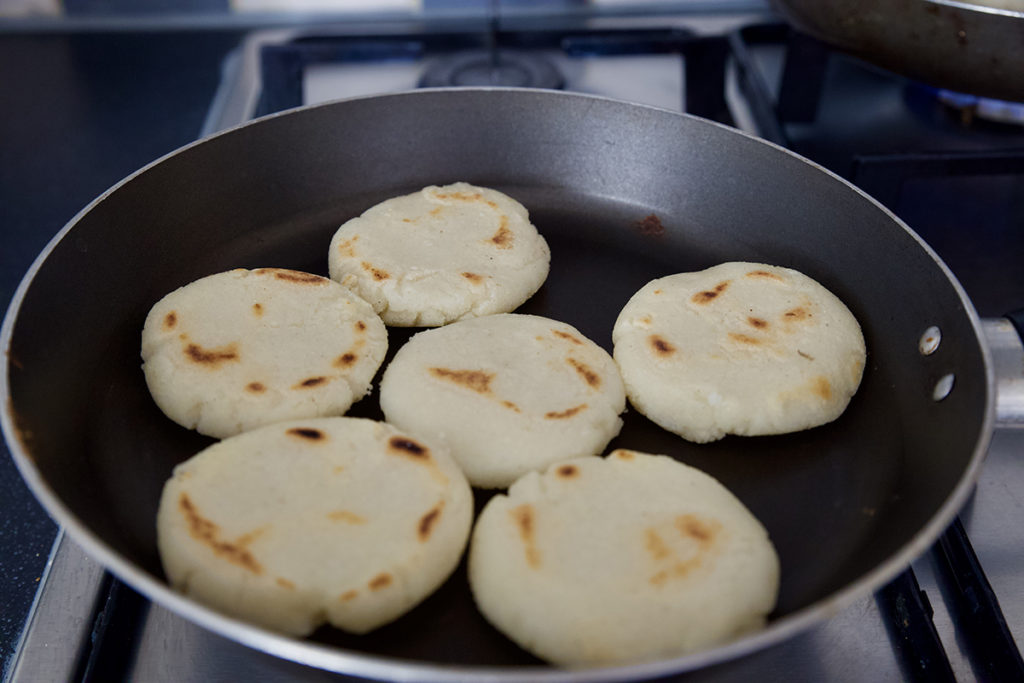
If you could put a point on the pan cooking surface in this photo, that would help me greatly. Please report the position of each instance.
(599, 177)
(811, 489)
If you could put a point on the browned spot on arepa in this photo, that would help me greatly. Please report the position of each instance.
(661, 346)
(212, 357)
(381, 581)
(346, 516)
(795, 314)
(568, 471)
(759, 323)
(623, 454)
(584, 371)
(511, 406)
(170, 320)
(311, 382)
(821, 387)
(522, 516)
(257, 310)
(563, 414)
(503, 237)
(709, 295)
(347, 247)
(568, 337)
(477, 380)
(377, 273)
(704, 533)
(255, 387)
(406, 446)
(348, 595)
(473, 277)
(208, 533)
(284, 583)
(700, 530)
(293, 276)
(427, 521)
(306, 433)
(360, 326)
(744, 338)
(763, 274)
(345, 360)
(656, 545)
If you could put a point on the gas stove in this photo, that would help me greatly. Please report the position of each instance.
(956, 179)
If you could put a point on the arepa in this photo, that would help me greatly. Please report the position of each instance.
(245, 348)
(342, 520)
(632, 557)
(441, 254)
(506, 394)
(740, 348)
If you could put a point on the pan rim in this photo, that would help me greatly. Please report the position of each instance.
(349, 662)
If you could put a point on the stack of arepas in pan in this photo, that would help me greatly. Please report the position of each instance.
(299, 516)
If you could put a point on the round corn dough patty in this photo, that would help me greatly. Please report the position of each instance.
(441, 254)
(506, 394)
(245, 348)
(740, 348)
(335, 519)
(602, 561)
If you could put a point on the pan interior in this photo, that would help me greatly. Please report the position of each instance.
(837, 500)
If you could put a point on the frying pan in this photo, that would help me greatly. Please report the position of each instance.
(968, 47)
(848, 505)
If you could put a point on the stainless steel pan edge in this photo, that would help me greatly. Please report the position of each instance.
(334, 659)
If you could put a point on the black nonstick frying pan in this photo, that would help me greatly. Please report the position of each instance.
(623, 194)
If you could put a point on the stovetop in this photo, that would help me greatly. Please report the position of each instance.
(957, 180)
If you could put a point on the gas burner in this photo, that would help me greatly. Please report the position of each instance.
(984, 108)
(501, 68)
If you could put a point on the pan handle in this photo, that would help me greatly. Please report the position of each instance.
(1005, 340)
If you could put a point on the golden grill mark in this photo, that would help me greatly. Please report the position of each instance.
(744, 338)
(427, 521)
(623, 454)
(656, 545)
(562, 414)
(511, 406)
(568, 471)
(293, 276)
(567, 336)
(584, 371)
(207, 532)
(523, 518)
(380, 581)
(822, 388)
(212, 357)
(347, 247)
(311, 382)
(348, 596)
(377, 273)
(406, 446)
(710, 294)
(763, 274)
(504, 237)
(795, 314)
(346, 516)
(700, 530)
(660, 346)
(477, 380)
(284, 583)
(307, 433)
(345, 360)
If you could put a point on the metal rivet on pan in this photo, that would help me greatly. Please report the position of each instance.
(943, 387)
(929, 341)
